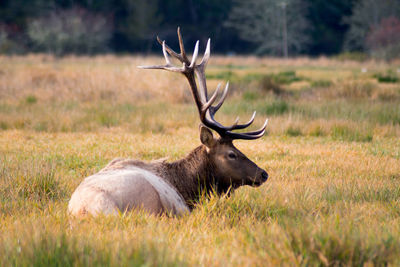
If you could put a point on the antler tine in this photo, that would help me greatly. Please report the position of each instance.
(195, 53)
(236, 126)
(181, 46)
(256, 132)
(222, 99)
(206, 106)
(249, 135)
(165, 54)
(235, 123)
(206, 56)
(182, 69)
(169, 66)
(182, 56)
(171, 52)
(245, 136)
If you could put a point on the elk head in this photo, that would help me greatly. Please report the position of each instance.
(230, 166)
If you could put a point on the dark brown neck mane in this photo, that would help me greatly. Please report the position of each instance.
(191, 176)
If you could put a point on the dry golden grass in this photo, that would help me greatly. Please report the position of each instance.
(332, 153)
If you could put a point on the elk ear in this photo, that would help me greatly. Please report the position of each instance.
(206, 136)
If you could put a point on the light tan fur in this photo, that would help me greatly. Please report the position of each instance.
(114, 190)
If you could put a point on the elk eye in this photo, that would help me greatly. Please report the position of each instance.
(231, 155)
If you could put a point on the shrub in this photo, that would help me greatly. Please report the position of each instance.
(286, 77)
(317, 131)
(268, 84)
(293, 131)
(31, 99)
(272, 82)
(70, 31)
(389, 77)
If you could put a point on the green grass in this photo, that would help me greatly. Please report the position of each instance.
(31, 99)
(224, 75)
(357, 111)
(62, 249)
(345, 133)
(321, 83)
(293, 131)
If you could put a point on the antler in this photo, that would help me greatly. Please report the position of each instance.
(204, 104)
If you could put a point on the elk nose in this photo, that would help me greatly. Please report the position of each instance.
(264, 176)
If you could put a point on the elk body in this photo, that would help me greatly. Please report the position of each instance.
(173, 187)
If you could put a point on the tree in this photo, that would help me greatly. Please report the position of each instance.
(200, 20)
(384, 41)
(72, 30)
(368, 14)
(139, 22)
(278, 27)
(328, 31)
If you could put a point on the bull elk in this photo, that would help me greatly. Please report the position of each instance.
(173, 187)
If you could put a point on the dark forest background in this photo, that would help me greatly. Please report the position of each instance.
(263, 27)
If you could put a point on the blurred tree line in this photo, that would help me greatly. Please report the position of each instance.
(274, 27)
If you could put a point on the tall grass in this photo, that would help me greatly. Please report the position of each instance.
(332, 152)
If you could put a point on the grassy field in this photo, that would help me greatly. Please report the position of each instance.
(332, 152)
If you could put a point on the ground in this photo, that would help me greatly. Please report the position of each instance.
(332, 152)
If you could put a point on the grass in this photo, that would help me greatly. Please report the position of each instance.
(332, 152)
(345, 133)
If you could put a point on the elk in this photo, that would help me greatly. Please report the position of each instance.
(172, 188)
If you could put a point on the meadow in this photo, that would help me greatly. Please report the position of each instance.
(332, 151)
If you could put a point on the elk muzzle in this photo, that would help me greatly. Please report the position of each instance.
(264, 176)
